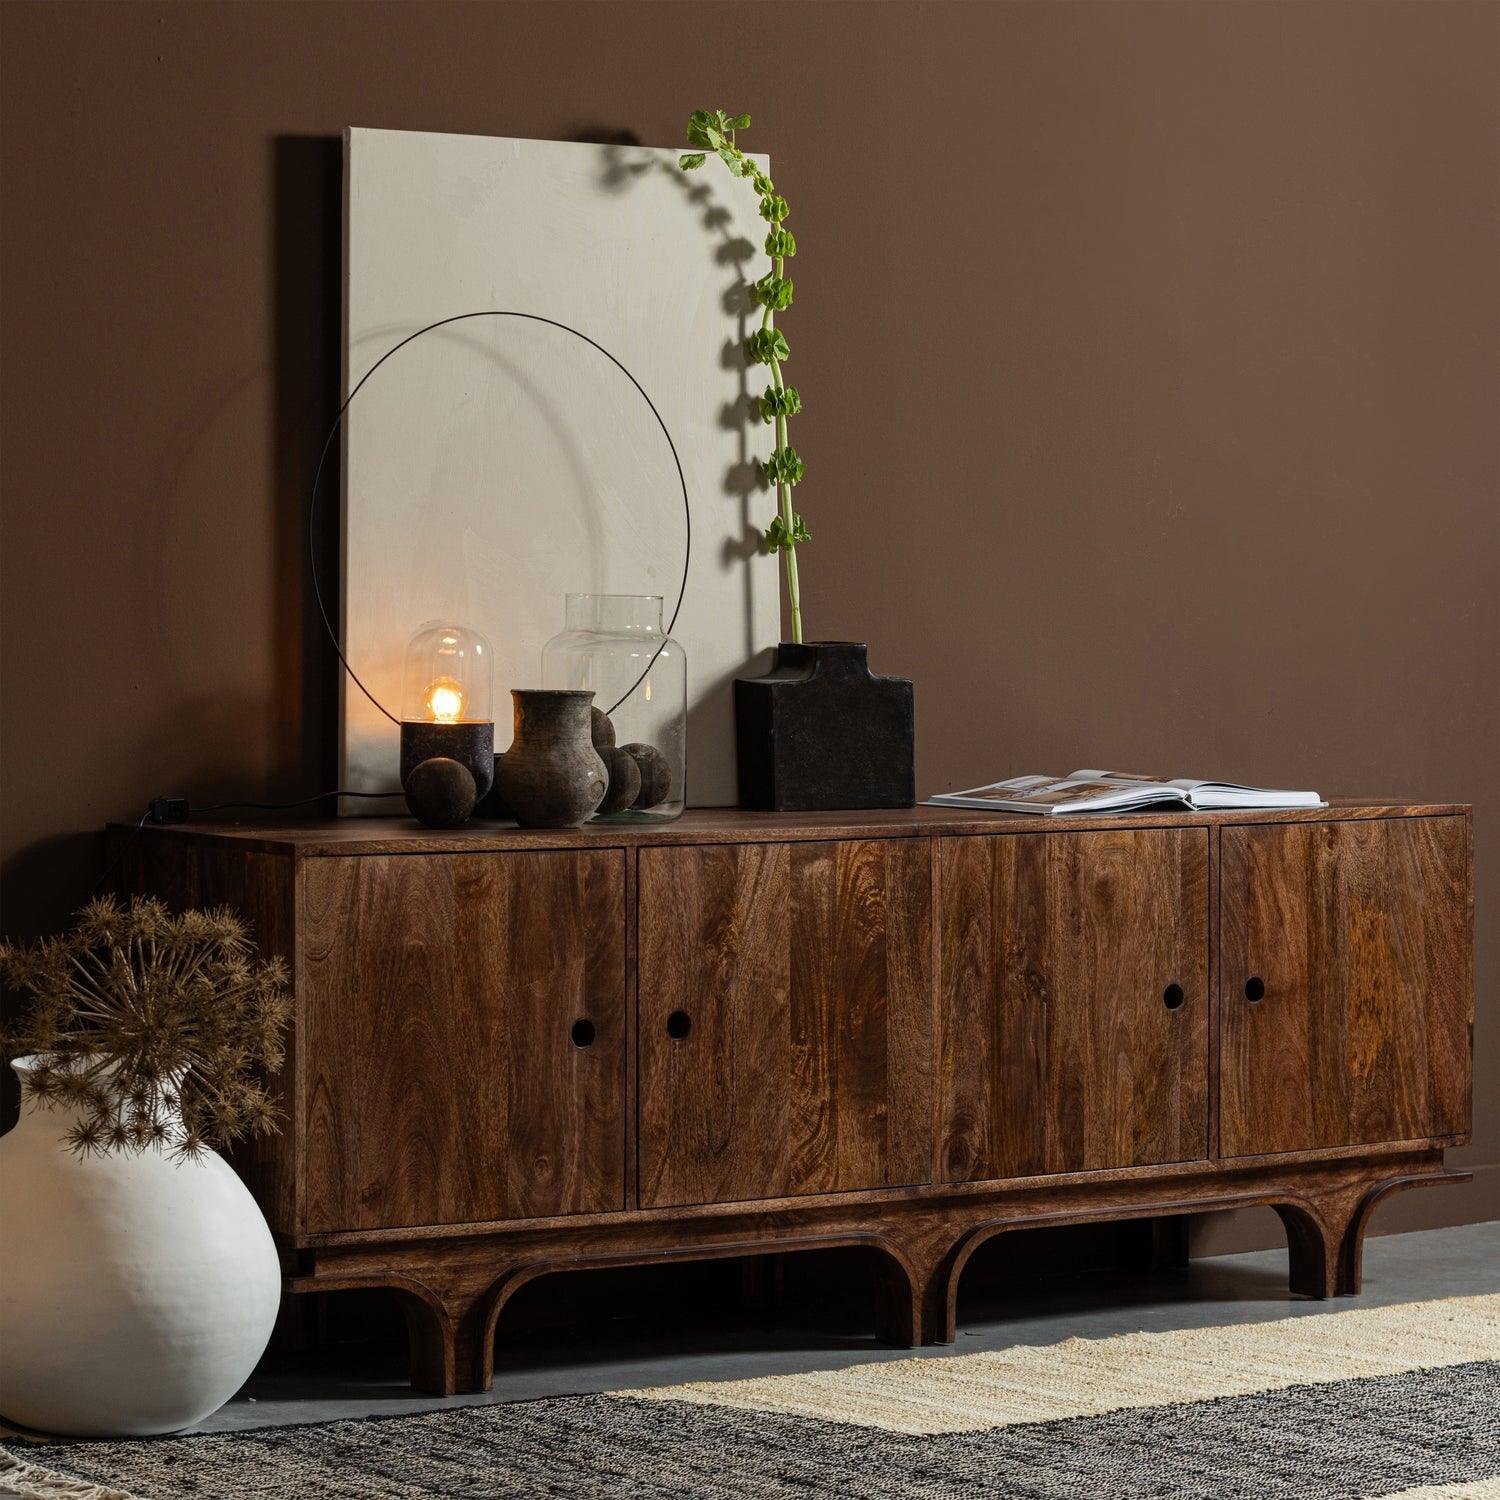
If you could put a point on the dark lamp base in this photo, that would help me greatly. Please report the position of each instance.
(471, 743)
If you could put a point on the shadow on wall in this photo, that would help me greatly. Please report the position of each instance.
(717, 703)
(42, 884)
(38, 887)
(308, 362)
(287, 738)
(743, 483)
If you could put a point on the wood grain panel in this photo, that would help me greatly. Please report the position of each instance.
(260, 887)
(805, 974)
(1059, 1052)
(1360, 934)
(444, 1082)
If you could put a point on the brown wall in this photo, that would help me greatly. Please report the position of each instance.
(1150, 353)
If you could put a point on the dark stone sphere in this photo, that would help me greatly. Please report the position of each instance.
(656, 775)
(492, 804)
(440, 792)
(603, 729)
(624, 779)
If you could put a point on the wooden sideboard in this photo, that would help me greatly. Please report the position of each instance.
(517, 1053)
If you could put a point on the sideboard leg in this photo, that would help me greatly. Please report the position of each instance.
(430, 1341)
(1324, 1247)
(898, 1306)
(911, 1308)
(938, 1318)
(1351, 1273)
(451, 1347)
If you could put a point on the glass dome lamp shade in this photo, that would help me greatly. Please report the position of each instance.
(448, 676)
(447, 688)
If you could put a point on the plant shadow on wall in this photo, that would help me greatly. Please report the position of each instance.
(744, 482)
(745, 478)
(820, 731)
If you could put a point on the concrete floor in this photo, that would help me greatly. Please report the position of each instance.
(828, 1332)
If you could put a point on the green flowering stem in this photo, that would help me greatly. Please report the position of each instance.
(784, 495)
(713, 131)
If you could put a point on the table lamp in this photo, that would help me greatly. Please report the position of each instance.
(445, 701)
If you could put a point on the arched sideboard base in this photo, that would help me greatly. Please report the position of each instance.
(454, 1285)
(1326, 1240)
(451, 1312)
(1325, 1234)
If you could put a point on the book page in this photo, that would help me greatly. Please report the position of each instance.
(1064, 793)
(1210, 795)
(1182, 783)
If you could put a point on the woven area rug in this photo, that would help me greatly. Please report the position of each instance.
(1391, 1401)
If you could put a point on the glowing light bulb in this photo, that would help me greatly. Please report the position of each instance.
(445, 701)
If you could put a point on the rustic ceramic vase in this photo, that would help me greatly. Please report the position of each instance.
(552, 777)
(137, 1292)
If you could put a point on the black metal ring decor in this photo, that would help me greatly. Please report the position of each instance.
(441, 812)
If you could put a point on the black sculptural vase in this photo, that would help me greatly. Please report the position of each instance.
(821, 731)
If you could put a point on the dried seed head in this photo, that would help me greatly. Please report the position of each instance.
(137, 1013)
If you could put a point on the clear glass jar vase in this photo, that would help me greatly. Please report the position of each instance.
(615, 645)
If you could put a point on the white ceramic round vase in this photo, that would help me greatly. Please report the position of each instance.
(137, 1292)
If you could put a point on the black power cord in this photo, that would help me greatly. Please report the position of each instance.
(195, 812)
(114, 864)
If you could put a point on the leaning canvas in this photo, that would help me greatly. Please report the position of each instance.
(496, 465)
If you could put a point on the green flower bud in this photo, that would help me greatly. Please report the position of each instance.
(773, 291)
(782, 403)
(765, 345)
(784, 466)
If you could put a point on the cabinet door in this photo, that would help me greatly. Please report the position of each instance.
(785, 1019)
(465, 1037)
(1073, 1001)
(1344, 983)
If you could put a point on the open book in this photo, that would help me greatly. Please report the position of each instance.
(1117, 791)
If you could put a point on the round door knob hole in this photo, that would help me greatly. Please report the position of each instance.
(679, 1023)
(1255, 987)
(583, 1032)
(1172, 996)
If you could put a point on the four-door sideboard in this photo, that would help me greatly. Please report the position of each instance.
(516, 1053)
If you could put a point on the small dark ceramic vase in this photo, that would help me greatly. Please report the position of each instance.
(821, 731)
(552, 777)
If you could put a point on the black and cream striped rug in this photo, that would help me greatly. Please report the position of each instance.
(1391, 1401)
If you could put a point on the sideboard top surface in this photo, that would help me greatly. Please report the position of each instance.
(711, 825)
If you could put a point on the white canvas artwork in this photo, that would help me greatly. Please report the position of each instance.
(496, 465)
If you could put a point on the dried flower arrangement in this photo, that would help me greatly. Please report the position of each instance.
(158, 1029)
